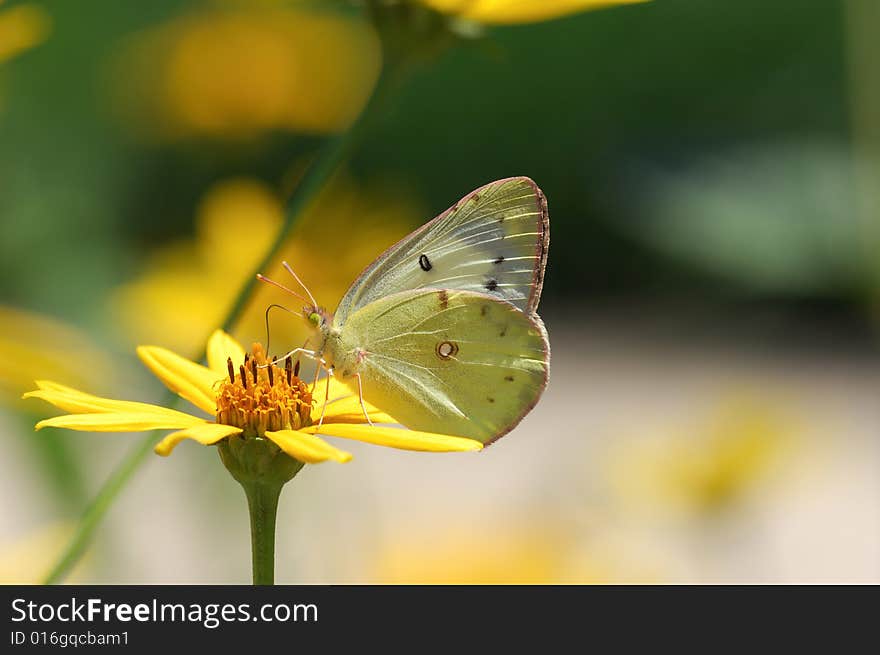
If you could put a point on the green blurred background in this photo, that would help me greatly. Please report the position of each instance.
(711, 291)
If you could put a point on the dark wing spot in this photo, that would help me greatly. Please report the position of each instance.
(425, 263)
(475, 197)
(444, 298)
(503, 331)
(509, 378)
(484, 310)
(491, 285)
(490, 399)
(499, 260)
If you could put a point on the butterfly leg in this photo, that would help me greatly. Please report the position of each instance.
(326, 399)
(305, 343)
(315, 381)
(308, 353)
(361, 397)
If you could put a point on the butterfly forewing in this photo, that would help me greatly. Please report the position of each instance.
(454, 362)
(493, 241)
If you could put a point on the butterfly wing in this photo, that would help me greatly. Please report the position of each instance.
(454, 362)
(494, 241)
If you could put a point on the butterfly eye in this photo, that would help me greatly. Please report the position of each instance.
(315, 319)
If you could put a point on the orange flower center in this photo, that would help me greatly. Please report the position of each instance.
(263, 396)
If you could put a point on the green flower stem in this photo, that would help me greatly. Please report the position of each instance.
(334, 153)
(263, 508)
(262, 469)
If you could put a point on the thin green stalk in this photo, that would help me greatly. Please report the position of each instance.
(263, 508)
(862, 17)
(96, 511)
(58, 460)
(334, 153)
(337, 151)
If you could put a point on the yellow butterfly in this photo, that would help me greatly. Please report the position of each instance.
(440, 331)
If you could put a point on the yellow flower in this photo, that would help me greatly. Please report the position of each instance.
(547, 552)
(462, 556)
(709, 466)
(21, 28)
(188, 286)
(249, 399)
(518, 11)
(33, 345)
(239, 73)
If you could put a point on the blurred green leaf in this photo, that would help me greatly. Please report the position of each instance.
(778, 219)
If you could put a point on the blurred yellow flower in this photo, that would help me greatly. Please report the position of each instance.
(35, 346)
(188, 287)
(460, 556)
(21, 28)
(249, 398)
(27, 560)
(518, 11)
(533, 552)
(709, 466)
(238, 73)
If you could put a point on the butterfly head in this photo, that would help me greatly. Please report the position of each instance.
(317, 317)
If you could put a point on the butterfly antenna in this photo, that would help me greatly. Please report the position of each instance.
(296, 277)
(277, 306)
(263, 278)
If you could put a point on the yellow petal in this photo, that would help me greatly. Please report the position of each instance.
(338, 391)
(306, 447)
(189, 380)
(120, 422)
(344, 405)
(355, 417)
(348, 410)
(205, 433)
(78, 402)
(518, 11)
(222, 346)
(399, 438)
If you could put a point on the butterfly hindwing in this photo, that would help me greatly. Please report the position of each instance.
(448, 361)
(493, 241)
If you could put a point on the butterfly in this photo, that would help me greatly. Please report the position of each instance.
(440, 331)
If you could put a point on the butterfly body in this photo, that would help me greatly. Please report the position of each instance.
(440, 331)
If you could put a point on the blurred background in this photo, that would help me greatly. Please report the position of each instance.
(711, 295)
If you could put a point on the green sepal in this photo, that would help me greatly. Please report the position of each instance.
(256, 460)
